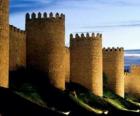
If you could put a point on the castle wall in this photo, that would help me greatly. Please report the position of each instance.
(46, 47)
(86, 62)
(67, 63)
(4, 43)
(132, 81)
(113, 69)
(17, 48)
(135, 70)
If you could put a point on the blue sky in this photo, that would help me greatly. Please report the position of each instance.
(117, 20)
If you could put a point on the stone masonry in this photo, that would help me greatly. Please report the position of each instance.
(17, 48)
(4, 43)
(67, 64)
(86, 61)
(132, 81)
(46, 46)
(113, 68)
(42, 46)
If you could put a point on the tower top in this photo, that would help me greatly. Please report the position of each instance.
(88, 36)
(113, 49)
(34, 16)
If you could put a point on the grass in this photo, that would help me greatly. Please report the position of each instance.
(132, 99)
(119, 102)
(12, 104)
(86, 106)
(33, 97)
(35, 88)
(110, 101)
(120, 106)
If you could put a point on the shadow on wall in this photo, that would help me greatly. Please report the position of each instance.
(105, 80)
(40, 82)
(53, 97)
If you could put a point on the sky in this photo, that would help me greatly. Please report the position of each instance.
(117, 20)
(132, 57)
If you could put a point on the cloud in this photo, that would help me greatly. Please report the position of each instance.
(136, 51)
(117, 2)
(26, 5)
(122, 3)
(117, 25)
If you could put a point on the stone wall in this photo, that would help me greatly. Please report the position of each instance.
(17, 48)
(86, 61)
(113, 69)
(132, 81)
(67, 63)
(46, 46)
(4, 43)
(135, 70)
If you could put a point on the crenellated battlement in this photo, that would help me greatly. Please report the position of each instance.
(113, 49)
(15, 29)
(45, 45)
(113, 67)
(86, 61)
(49, 16)
(86, 36)
(17, 44)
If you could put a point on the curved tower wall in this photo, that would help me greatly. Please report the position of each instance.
(46, 47)
(4, 43)
(113, 68)
(86, 61)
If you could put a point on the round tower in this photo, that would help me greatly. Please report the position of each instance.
(4, 43)
(86, 61)
(46, 47)
(113, 68)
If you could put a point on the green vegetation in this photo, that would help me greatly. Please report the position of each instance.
(119, 102)
(86, 106)
(133, 99)
(110, 100)
(36, 90)
(133, 102)
(33, 97)
(119, 105)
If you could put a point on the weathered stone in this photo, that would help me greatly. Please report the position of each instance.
(86, 62)
(46, 47)
(4, 43)
(113, 68)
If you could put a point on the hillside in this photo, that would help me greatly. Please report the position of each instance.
(14, 105)
(109, 102)
(31, 94)
(34, 87)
